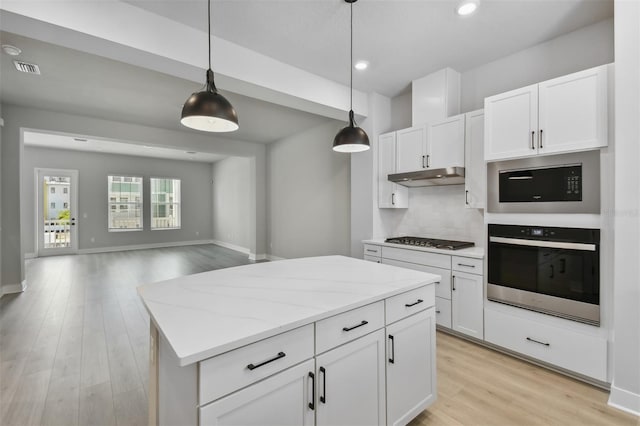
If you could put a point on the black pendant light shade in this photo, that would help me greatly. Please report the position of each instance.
(208, 110)
(351, 138)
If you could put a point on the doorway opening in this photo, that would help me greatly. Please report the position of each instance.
(56, 203)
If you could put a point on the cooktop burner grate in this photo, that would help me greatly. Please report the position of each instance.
(430, 242)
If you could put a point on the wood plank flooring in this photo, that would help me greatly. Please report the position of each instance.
(74, 351)
(74, 346)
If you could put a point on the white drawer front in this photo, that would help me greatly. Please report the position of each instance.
(372, 259)
(371, 250)
(467, 264)
(567, 349)
(230, 371)
(443, 287)
(343, 328)
(443, 312)
(405, 304)
(415, 256)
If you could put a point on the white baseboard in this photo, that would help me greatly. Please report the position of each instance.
(143, 246)
(274, 258)
(253, 256)
(30, 255)
(231, 246)
(624, 400)
(13, 288)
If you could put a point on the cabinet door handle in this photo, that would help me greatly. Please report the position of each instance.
(552, 272)
(537, 341)
(453, 282)
(468, 266)
(466, 196)
(533, 144)
(408, 305)
(428, 160)
(392, 359)
(372, 251)
(275, 358)
(355, 326)
(313, 391)
(563, 266)
(540, 138)
(323, 397)
(393, 199)
(437, 312)
(423, 165)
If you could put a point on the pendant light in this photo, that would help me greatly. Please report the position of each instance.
(351, 138)
(208, 110)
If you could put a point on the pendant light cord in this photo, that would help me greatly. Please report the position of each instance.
(351, 64)
(209, 29)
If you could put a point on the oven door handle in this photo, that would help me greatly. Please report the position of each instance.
(539, 243)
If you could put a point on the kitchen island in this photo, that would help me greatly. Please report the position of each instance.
(323, 340)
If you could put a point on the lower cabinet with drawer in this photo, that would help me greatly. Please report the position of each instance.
(373, 365)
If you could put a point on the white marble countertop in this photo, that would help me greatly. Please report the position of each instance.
(474, 252)
(206, 314)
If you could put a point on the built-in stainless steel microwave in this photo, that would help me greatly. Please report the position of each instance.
(566, 183)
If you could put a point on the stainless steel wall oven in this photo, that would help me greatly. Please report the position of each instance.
(546, 269)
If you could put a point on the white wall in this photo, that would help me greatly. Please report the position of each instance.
(309, 195)
(581, 49)
(401, 111)
(231, 205)
(625, 389)
(92, 215)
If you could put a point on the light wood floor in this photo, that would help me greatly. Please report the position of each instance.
(74, 351)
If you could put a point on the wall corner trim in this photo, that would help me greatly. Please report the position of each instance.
(273, 258)
(13, 288)
(231, 246)
(624, 400)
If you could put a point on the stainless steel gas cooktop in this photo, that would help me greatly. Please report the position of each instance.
(430, 242)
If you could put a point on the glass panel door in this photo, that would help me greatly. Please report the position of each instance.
(57, 208)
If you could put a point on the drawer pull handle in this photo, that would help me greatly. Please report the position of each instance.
(355, 326)
(468, 266)
(275, 358)
(408, 305)
(392, 359)
(453, 282)
(538, 342)
(313, 390)
(437, 312)
(323, 397)
(372, 251)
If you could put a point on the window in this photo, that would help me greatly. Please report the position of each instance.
(53, 205)
(165, 203)
(125, 215)
(65, 205)
(65, 190)
(53, 189)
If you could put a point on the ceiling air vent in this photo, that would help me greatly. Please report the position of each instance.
(27, 67)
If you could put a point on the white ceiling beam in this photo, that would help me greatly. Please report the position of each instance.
(123, 32)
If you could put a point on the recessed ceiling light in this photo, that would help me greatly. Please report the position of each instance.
(361, 65)
(467, 7)
(146, 146)
(11, 50)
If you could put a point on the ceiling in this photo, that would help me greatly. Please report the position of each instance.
(85, 143)
(79, 83)
(402, 39)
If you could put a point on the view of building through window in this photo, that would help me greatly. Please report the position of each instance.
(125, 203)
(165, 203)
(56, 211)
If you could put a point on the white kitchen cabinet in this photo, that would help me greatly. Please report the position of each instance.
(435, 97)
(565, 114)
(467, 304)
(390, 195)
(412, 148)
(282, 399)
(411, 363)
(475, 179)
(350, 383)
(445, 143)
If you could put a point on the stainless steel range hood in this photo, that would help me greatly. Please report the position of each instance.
(430, 177)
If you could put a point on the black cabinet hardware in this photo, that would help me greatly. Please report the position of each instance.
(552, 273)
(408, 305)
(533, 144)
(428, 160)
(538, 342)
(393, 199)
(437, 312)
(540, 137)
(453, 282)
(468, 266)
(392, 359)
(323, 397)
(466, 196)
(355, 326)
(313, 391)
(275, 358)
(372, 251)
(423, 165)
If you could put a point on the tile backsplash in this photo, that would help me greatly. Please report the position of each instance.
(435, 212)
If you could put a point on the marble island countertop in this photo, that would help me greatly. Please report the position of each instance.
(474, 252)
(206, 314)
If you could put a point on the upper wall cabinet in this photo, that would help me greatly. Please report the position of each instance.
(390, 195)
(475, 179)
(432, 146)
(435, 97)
(565, 114)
